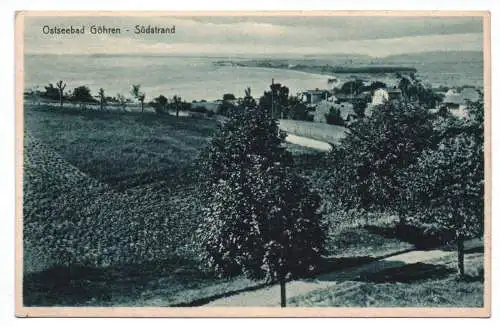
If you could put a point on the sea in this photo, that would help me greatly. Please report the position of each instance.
(198, 78)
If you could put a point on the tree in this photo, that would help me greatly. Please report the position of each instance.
(297, 109)
(276, 100)
(248, 100)
(138, 94)
(445, 186)
(445, 190)
(352, 87)
(334, 117)
(359, 108)
(159, 104)
(228, 97)
(51, 92)
(102, 98)
(415, 91)
(177, 101)
(375, 151)
(82, 94)
(261, 219)
(122, 101)
(60, 87)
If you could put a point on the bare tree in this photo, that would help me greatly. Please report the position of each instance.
(177, 102)
(122, 100)
(138, 94)
(61, 86)
(102, 98)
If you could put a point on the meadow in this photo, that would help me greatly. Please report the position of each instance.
(118, 192)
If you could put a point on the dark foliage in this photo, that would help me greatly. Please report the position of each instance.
(159, 104)
(334, 117)
(82, 94)
(369, 160)
(261, 219)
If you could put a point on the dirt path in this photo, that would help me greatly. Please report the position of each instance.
(270, 296)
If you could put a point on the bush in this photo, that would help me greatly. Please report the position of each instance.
(334, 118)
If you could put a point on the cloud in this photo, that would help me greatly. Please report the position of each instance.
(376, 36)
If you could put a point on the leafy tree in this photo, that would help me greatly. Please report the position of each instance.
(248, 100)
(276, 100)
(251, 131)
(122, 101)
(138, 94)
(102, 98)
(82, 94)
(159, 104)
(375, 151)
(297, 109)
(261, 219)
(352, 87)
(228, 97)
(60, 87)
(359, 108)
(51, 92)
(445, 190)
(334, 117)
(415, 91)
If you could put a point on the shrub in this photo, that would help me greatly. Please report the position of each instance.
(334, 118)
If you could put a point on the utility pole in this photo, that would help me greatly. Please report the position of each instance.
(272, 97)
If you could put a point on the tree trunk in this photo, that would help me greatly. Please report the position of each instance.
(142, 106)
(283, 290)
(60, 101)
(177, 111)
(460, 254)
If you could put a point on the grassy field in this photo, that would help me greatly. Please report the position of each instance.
(418, 285)
(120, 149)
(113, 184)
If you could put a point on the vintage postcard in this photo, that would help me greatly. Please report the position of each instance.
(253, 164)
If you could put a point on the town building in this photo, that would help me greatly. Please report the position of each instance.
(312, 97)
(323, 108)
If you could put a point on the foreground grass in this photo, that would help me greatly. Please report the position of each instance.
(176, 282)
(432, 293)
(418, 285)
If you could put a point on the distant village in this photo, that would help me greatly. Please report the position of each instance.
(366, 95)
(348, 100)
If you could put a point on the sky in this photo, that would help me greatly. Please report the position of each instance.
(253, 35)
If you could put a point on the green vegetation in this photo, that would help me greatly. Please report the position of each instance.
(82, 94)
(430, 293)
(426, 170)
(334, 118)
(445, 187)
(418, 285)
(261, 219)
(115, 214)
(159, 104)
(138, 95)
(122, 149)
